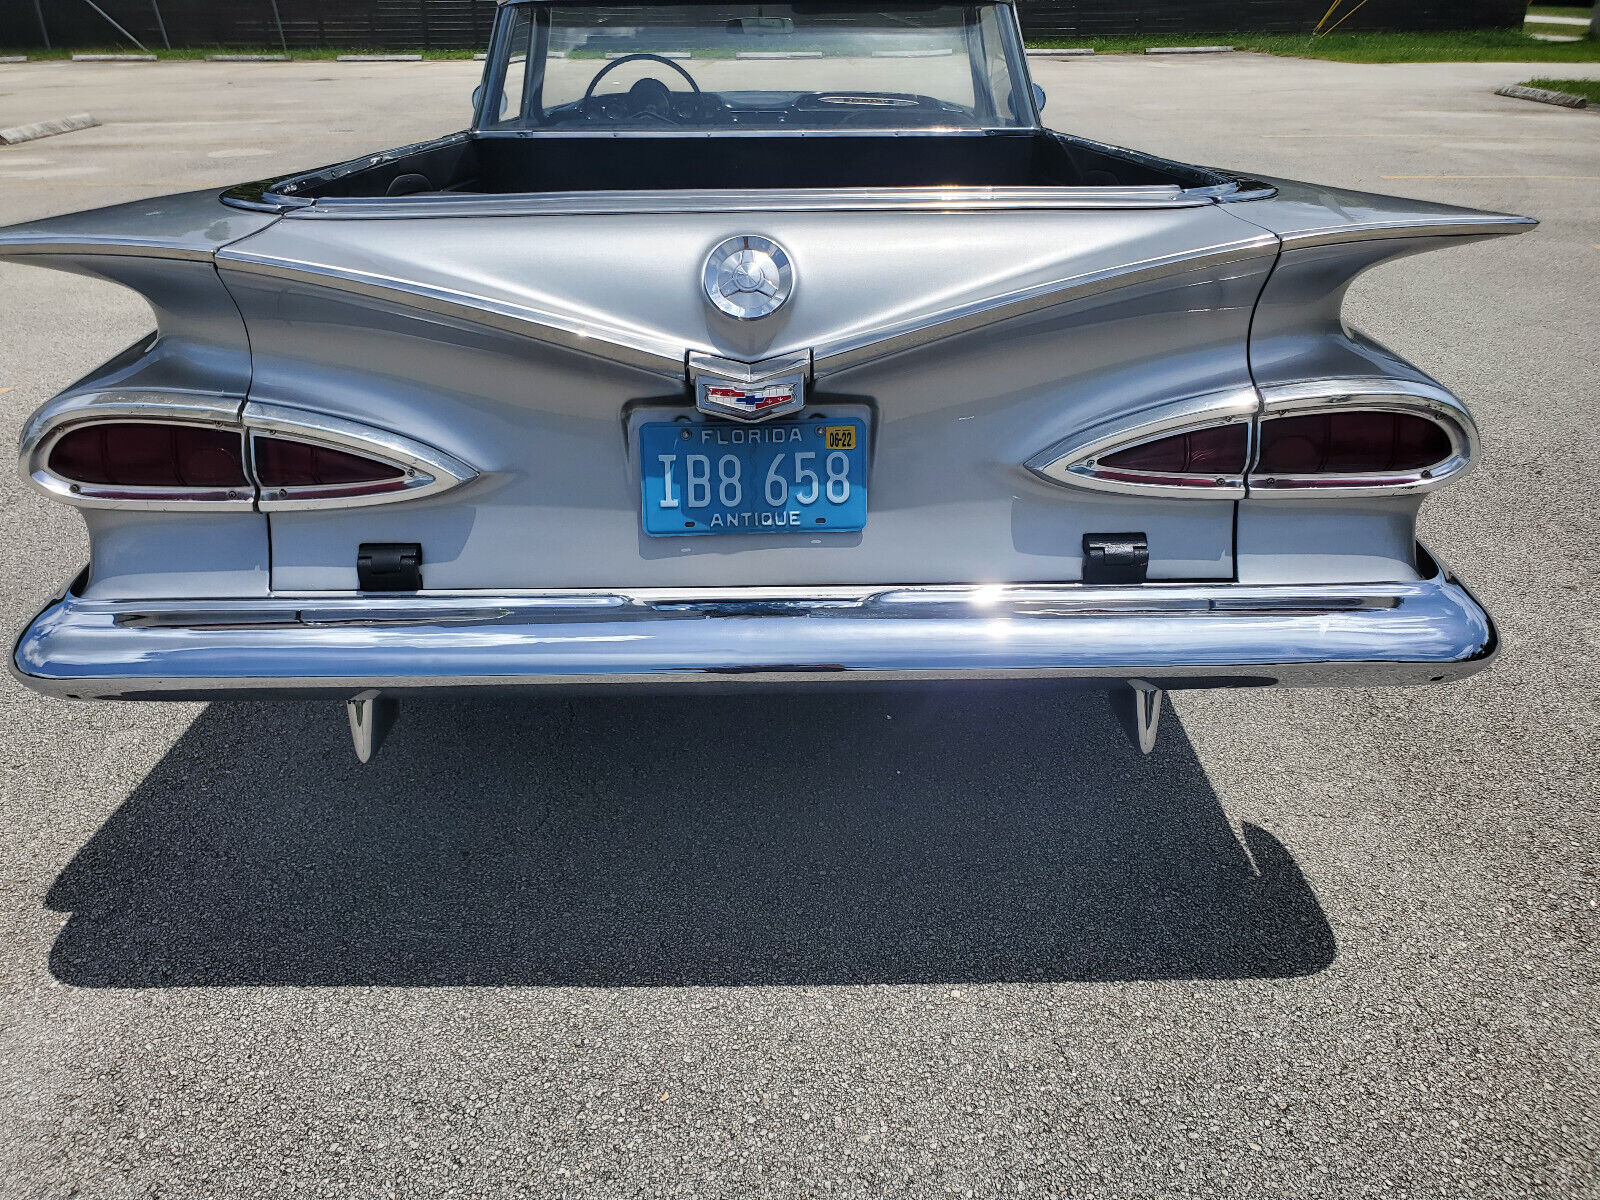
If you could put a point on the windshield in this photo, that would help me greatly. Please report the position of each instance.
(732, 66)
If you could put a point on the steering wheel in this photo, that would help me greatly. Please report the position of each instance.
(611, 66)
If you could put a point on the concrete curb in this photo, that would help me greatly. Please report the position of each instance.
(113, 58)
(1188, 49)
(40, 129)
(365, 58)
(1542, 95)
(13, 58)
(247, 58)
(1074, 53)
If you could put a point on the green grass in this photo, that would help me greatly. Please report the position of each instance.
(1589, 89)
(1490, 46)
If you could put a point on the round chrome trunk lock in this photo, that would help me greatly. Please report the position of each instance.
(748, 277)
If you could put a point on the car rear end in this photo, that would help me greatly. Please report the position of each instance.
(1114, 434)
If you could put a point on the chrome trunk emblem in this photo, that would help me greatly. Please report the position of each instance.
(748, 277)
(758, 391)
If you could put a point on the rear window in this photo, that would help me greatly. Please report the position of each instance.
(707, 67)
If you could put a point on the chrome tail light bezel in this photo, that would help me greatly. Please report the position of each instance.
(422, 469)
(57, 419)
(1405, 397)
(426, 470)
(1076, 460)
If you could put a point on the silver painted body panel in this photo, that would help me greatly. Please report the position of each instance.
(1013, 351)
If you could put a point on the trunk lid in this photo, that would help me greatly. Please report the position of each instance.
(531, 346)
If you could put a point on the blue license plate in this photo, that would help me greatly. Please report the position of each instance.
(780, 477)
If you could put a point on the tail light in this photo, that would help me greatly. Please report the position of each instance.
(1368, 441)
(1384, 437)
(1200, 458)
(1198, 448)
(133, 456)
(154, 450)
(308, 471)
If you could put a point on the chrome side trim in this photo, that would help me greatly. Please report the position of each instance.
(428, 470)
(1370, 395)
(843, 353)
(117, 246)
(1074, 460)
(1165, 635)
(1473, 225)
(52, 422)
(632, 347)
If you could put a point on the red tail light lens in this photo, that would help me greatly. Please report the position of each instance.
(187, 452)
(1351, 443)
(141, 454)
(281, 463)
(1218, 450)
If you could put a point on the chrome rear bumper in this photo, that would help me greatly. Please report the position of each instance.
(1170, 635)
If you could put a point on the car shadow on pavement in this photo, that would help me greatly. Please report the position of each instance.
(964, 835)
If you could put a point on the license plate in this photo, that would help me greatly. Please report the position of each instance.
(780, 477)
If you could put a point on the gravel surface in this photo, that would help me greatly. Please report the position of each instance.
(966, 943)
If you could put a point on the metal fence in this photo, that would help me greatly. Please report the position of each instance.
(286, 24)
(1143, 18)
(464, 24)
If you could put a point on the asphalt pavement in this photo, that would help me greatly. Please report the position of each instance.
(953, 943)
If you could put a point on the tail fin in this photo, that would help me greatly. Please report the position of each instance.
(164, 250)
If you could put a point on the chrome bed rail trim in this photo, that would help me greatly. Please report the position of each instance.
(664, 201)
(1197, 635)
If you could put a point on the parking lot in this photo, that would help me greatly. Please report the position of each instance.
(1337, 943)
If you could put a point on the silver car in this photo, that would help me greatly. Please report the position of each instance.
(750, 346)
